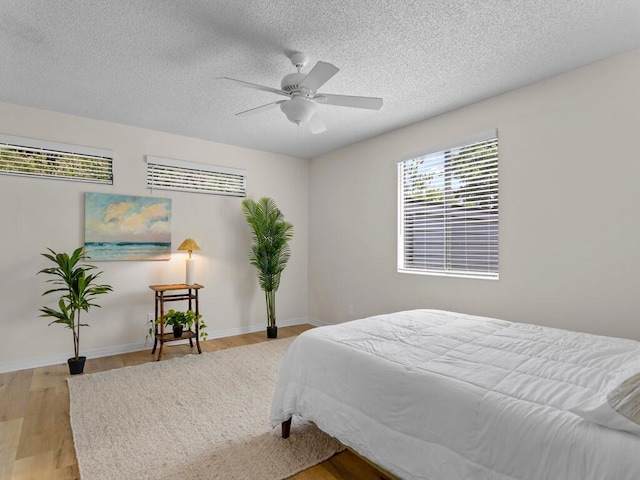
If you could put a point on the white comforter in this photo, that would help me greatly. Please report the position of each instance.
(437, 395)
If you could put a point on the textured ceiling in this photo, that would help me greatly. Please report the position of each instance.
(154, 63)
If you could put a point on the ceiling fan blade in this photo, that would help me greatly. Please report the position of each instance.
(319, 75)
(316, 125)
(255, 86)
(262, 108)
(372, 103)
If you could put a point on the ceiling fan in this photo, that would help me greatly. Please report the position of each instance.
(302, 94)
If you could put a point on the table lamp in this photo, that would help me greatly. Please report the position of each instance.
(190, 245)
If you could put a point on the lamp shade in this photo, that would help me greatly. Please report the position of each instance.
(189, 244)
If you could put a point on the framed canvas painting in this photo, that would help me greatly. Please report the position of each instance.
(125, 227)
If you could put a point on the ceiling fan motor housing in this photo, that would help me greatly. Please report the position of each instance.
(291, 83)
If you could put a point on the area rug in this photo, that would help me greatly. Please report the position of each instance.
(195, 417)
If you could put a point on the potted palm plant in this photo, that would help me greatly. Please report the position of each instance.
(270, 250)
(77, 284)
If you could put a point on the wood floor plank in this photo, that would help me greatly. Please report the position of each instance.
(105, 363)
(9, 441)
(53, 376)
(36, 441)
(350, 465)
(46, 414)
(41, 467)
(319, 472)
(34, 467)
(14, 392)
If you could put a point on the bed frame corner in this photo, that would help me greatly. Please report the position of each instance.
(286, 428)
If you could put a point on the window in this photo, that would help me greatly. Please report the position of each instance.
(448, 211)
(42, 159)
(168, 174)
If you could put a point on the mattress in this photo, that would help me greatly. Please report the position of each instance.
(436, 395)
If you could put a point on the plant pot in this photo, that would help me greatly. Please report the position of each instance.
(272, 332)
(177, 331)
(76, 366)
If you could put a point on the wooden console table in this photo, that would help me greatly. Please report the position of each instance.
(161, 297)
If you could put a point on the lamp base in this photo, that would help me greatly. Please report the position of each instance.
(191, 268)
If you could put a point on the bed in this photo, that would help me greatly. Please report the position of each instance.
(437, 395)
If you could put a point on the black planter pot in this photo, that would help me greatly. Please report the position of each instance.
(177, 331)
(76, 366)
(272, 332)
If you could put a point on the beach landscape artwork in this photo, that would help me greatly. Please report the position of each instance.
(125, 227)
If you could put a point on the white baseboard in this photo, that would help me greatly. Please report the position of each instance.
(47, 360)
(56, 359)
(318, 323)
(230, 332)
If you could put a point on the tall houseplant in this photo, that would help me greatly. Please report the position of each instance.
(270, 251)
(73, 278)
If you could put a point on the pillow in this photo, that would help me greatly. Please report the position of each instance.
(618, 409)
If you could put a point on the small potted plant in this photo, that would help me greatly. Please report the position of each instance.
(179, 320)
(77, 284)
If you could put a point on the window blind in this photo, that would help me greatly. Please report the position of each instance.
(448, 211)
(42, 159)
(169, 174)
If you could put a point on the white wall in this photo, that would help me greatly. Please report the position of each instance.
(569, 202)
(36, 214)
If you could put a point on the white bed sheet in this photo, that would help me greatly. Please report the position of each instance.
(438, 395)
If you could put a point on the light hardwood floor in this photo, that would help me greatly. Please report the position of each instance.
(35, 433)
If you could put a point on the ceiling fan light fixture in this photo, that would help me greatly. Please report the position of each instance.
(299, 109)
(301, 90)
